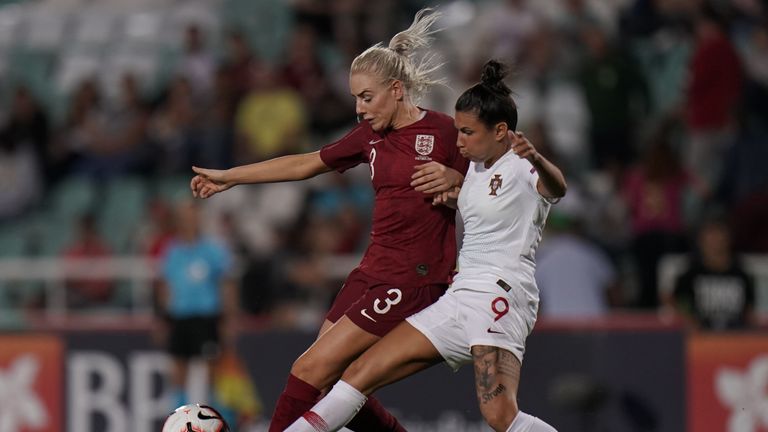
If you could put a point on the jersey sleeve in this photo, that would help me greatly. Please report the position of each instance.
(349, 151)
(525, 171)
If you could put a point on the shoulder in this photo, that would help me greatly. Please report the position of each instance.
(361, 133)
(517, 166)
(443, 122)
(439, 118)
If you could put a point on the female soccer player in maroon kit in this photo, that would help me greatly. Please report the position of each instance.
(411, 152)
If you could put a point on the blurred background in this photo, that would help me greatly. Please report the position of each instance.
(653, 270)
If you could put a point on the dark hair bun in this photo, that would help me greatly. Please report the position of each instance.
(492, 76)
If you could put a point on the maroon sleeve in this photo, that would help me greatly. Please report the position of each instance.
(349, 151)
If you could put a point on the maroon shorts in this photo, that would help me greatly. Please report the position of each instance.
(378, 307)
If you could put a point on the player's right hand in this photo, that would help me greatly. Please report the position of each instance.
(208, 182)
(447, 198)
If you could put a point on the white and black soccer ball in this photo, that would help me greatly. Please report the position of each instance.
(195, 418)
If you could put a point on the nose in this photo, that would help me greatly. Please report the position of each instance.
(359, 109)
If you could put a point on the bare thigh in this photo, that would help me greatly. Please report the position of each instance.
(401, 353)
(323, 363)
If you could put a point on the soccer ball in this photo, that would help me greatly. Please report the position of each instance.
(195, 418)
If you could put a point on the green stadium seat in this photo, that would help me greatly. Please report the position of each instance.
(173, 188)
(46, 28)
(11, 17)
(75, 65)
(95, 28)
(267, 23)
(72, 197)
(13, 240)
(121, 212)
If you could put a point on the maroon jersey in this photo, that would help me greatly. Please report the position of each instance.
(412, 242)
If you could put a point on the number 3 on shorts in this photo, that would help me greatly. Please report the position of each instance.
(393, 297)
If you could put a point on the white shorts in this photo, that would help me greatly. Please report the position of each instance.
(478, 311)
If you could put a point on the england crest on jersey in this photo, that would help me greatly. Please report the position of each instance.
(425, 144)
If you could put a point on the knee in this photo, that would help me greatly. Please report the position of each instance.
(356, 370)
(499, 417)
(313, 371)
(363, 374)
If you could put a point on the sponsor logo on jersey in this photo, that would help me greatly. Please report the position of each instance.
(425, 144)
(495, 184)
(364, 313)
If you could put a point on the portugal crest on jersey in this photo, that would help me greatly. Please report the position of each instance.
(424, 144)
(495, 184)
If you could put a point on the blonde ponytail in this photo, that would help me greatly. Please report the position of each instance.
(397, 60)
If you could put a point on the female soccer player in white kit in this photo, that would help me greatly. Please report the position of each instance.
(491, 307)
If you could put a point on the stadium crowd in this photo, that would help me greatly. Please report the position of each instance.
(655, 110)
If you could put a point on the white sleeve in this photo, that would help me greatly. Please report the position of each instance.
(527, 173)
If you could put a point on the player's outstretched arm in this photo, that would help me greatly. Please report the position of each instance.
(551, 181)
(209, 182)
(434, 177)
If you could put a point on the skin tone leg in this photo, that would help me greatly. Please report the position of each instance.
(323, 363)
(497, 376)
(401, 353)
(325, 327)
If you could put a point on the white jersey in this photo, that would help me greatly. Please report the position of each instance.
(503, 215)
(493, 301)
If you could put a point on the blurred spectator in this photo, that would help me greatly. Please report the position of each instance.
(345, 201)
(88, 243)
(109, 142)
(172, 127)
(159, 228)
(502, 28)
(715, 293)
(554, 99)
(214, 142)
(238, 63)
(748, 219)
(307, 274)
(198, 298)
(197, 64)
(576, 278)
(270, 120)
(755, 57)
(615, 93)
(304, 72)
(655, 191)
(27, 126)
(713, 92)
(23, 154)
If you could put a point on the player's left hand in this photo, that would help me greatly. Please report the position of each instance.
(434, 177)
(522, 147)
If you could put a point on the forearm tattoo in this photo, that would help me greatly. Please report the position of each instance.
(491, 363)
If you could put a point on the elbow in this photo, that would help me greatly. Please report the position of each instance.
(562, 189)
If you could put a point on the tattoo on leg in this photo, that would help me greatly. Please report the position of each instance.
(487, 397)
(490, 364)
(485, 367)
(508, 364)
